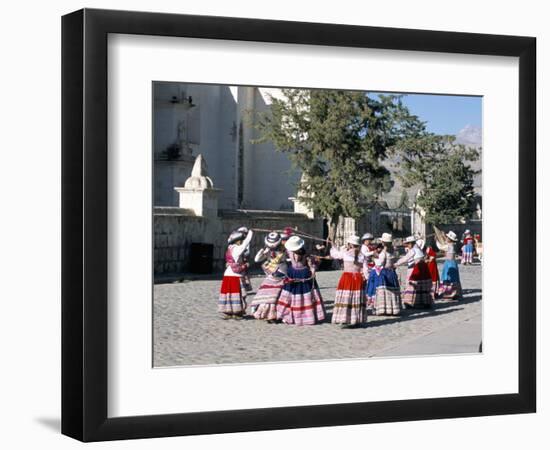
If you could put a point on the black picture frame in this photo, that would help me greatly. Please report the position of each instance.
(84, 224)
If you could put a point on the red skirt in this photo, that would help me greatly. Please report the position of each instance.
(349, 303)
(231, 300)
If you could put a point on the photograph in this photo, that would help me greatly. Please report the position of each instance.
(304, 224)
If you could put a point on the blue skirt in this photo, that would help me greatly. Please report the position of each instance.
(450, 272)
(386, 278)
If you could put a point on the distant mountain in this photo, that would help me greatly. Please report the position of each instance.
(470, 135)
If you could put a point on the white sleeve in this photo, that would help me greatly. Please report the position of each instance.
(405, 258)
(336, 254)
(239, 249)
(261, 255)
(366, 252)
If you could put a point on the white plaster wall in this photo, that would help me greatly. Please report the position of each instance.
(273, 177)
(268, 178)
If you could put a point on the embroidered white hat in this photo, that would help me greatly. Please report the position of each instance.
(409, 240)
(386, 237)
(235, 236)
(367, 236)
(421, 243)
(353, 240)
(294, 243)
(451, 235)
(272, 240)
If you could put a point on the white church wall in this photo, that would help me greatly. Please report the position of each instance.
(271, 174)
(208, 130)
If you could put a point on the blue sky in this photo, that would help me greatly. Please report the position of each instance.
(445, 114)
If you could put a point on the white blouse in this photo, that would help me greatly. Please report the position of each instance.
(236, 252)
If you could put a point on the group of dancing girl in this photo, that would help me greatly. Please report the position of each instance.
(289, 293)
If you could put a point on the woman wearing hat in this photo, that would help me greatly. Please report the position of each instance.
(450, 287)
(418, 293)
(232, 299)
(300, 302)
(383, 283)
(273, 256)
(349, 304)
(408, 258)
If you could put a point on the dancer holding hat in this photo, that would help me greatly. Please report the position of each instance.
(300, 302)
(273, 256)
(349, 304)
(232, 298)
(450, 287)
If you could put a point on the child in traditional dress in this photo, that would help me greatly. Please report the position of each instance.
(467, 248)
(300, 302)
(232, 299)
(383, 283)
(418, 293)
(273, 256)
(450, 287)
(349, 305)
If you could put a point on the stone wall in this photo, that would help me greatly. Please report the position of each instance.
(174, 231)
(176, 228)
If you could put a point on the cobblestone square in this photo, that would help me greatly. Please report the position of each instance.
(189, 331)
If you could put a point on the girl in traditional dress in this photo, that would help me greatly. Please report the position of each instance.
(383, 283)
(450, 287)
(273, 256)
(467, 248)
(300, 302)
(431, 260)
(418, 293)
(232, 299)
(349, 305)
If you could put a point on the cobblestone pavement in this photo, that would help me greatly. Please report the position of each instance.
(189, 331)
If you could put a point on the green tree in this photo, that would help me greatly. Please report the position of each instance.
(338, 139)
(441, 170)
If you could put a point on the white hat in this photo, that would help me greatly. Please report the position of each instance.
(467, 232)
(379, 262)
(451, 235)
(353, 240)
(294, 243)
(367, 236)
(243, 230)
(421, 243)
(386, 237)
(409, 240)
